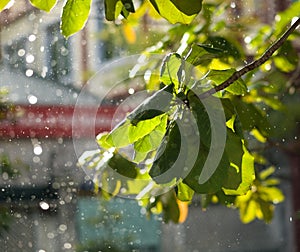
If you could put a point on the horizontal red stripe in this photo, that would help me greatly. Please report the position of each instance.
(59, 121)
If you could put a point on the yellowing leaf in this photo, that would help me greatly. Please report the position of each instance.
(183, 210)
(129, 33)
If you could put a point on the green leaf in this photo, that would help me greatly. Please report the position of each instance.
(3, 4)
(170, 70)
(248, 211)
(157, 104)
(152, 141)
(266, 172)
(286, 60)
(215, 182)
(74, 16)
(219, 76)
(267, 210)
(143, 128)
(202, 118)
(184, 192)
(139, 156)
(228, 49)
(125, 133)
(247, 170)
(225, 199)
(170, 207)
(271, 194)
(128, 5)
(250, 117)
(166, 157)
(240, 180)
(178, 11)
(202, 54)
(284, 18)
(110, 9)
(113, 8)
(45, 5)
(118, 137)
(122, 166)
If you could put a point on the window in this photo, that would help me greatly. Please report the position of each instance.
(58, 51)
(15, 53)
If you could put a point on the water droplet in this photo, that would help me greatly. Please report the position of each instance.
(37, 149)
(32, 38)
(29, 72)
(67, 245)
(131, 91)
(247, 39)
(44, 205)
(32, 99)
(29, 58)
(21, 52)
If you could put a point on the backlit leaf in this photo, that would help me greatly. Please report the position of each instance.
(3, 4)
(218, 76)
(202, 54)
(184, 192)
(251, 117)
(152, 141)
(113, 8)
(45, 5)
(145, 127)
(170, 68)
(178, 11)
(74, 16)
(157, 104)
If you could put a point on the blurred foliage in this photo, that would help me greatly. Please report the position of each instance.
(7, 171)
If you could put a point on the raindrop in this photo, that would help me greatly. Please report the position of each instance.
(37, 149)
(32, 99)
(29, 72)
(44, 205)
(29, 58)
(67, 245)
(36, 159)
(32, 38)
(247, 39)
(131, 91)
(232, 5)
(50, 235)
(21, 52)
(5, 176)
(62, 227)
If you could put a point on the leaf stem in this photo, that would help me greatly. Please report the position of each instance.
(249, 67)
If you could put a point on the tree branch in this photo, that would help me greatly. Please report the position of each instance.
(249, 67)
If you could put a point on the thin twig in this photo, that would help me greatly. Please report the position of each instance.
(249, 67)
